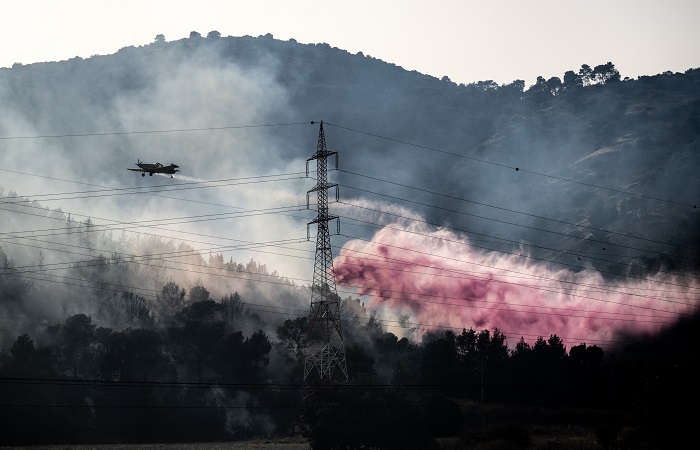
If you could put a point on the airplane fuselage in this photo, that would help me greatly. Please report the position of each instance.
(150, 169)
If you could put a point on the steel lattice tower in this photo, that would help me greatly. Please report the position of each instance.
(326, 345)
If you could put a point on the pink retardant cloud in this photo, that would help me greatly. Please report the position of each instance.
(440, 280)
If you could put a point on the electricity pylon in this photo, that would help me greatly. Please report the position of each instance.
(326, 353)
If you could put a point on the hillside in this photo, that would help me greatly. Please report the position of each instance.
(633, 137)
(540, 228)
(605, 167)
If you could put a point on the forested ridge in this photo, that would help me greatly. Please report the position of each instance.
(115, 335)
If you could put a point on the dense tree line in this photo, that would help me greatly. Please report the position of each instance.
(182, 366)
(204, 373)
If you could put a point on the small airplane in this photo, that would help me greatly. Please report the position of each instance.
(155, 168)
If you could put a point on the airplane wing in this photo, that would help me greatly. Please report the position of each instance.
(154, 168)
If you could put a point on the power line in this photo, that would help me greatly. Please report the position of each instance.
(566, 312)
(517, 169)
(127, 226)
(105, 228)
(498, 220)
(479, 276)
(225, 385)
(171, 188)
(159, 257)
(512, 210)
(177, 130)
(426, 222)
(151, 193)
(366, 321)
(398, 198)
(523, 305)
(356, 318)
(222, 248)
(468, 232)
(137, 259)
(551, 311)
(154, 188)
(353, 219)
(468, 262)
(539, 288)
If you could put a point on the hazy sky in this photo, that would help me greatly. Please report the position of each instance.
(500, 40)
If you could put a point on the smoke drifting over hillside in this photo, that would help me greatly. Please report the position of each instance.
(237, 112)
(108, 112)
